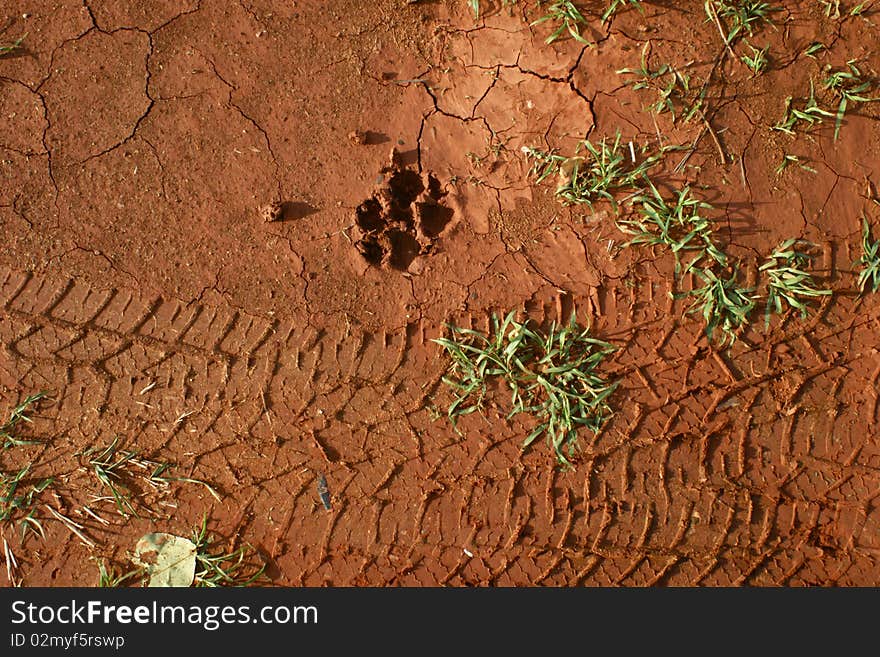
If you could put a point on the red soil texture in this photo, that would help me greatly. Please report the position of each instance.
(231, 231)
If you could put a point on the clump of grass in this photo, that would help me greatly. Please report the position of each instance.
(677, 225)
(19, 414)
(615, 5)
(814, 49)
(6, 48)
(553, 376)
(789, 285)
(722, 302)
(672, 87)
(604, 169)
(17, 497)
(788, 160)
(218, 568)
(757, 61)
(18, 492)
(833, 9)
(859, 9)
(110, 577)
(810, 114)
(741, 16)
(109, 464)
(869, 262)
(115, 468)
(849, 86)
(569, 18)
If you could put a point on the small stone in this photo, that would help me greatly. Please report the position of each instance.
(358, 137)
(271, 212)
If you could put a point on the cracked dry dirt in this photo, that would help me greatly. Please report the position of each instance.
(142, 288)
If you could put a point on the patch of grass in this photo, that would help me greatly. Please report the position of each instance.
(814, 49)
(110, 577)
(810, 114)
(553, 376)
(722, 302)
(676, 224)
(849, 86)
(789, 285)
(19, 414)
(605, 169)
(569, 18)
(869, 262)
(115, 468)
(832, 9)
(672, 87)
(757, 62)
(109, 464)
(616, 5)
(17, 497)
(6, 48)
(740, 17)
(788, 160)
(218, 568)
(859, 9)
(18, 492)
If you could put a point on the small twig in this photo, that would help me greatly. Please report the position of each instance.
(95, 516)
(71, 525)
(871, 191)
(717, 20)
(690, 152)
(183, 416)
(714, 135)
(657, 129)
(265, 406)
(11, 563)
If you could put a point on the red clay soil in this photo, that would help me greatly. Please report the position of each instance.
(231, 230)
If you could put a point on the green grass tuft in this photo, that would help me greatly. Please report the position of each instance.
(7, 48)
(723, 304)
(217, 568)
(789, 285)
(604, 169)
(677, 225)
(616, 5)
(741, 16)
(673, 88)
(19, 414)
(788, 160)
(849, 86)
(553, 376)
(110, 577)
(869, 262)
(569, 18)
(18, 491)
(757, 61)
(810, 114)
(116, 469)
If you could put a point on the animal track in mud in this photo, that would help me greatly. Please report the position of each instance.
(402, 219)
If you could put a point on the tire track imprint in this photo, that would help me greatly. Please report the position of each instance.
(226, 364)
